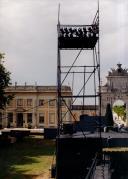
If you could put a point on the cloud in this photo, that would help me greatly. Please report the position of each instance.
(29, 35)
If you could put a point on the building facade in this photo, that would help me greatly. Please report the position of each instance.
(115, 89)
(90, 110)
(33, 107)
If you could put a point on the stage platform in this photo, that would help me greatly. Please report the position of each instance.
(76, 151)
(84, 134)
(109, 139)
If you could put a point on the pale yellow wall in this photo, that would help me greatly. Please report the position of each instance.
(46, 109)
(77, 114)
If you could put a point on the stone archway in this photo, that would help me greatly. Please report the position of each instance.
(119, 112)
(115, 89)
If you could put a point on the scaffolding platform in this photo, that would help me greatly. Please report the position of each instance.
(77, 37)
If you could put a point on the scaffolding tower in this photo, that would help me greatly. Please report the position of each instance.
(77, 38)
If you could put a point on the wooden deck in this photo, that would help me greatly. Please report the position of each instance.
(115, 149)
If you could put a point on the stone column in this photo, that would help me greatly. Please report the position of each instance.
(34, 119)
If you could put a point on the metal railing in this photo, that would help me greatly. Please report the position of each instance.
(91, 172)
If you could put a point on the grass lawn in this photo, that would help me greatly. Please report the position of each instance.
(29, 158)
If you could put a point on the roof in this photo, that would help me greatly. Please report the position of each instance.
(118, 72)
(28, 88)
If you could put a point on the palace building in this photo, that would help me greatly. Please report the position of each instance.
(33, 107)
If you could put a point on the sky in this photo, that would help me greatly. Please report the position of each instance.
(28, 35)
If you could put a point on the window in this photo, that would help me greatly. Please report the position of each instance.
(29, 102)
(52, 118)
(52, 102)
(41, 102)
(10, 117)
(29, 117)
(41, 118)
(19, 102)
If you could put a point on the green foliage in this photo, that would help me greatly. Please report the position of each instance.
(120, 111)
(109, 116)
(4, 82)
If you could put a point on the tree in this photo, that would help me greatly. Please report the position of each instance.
(109, 116)
(120, 111)
(4, 83)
